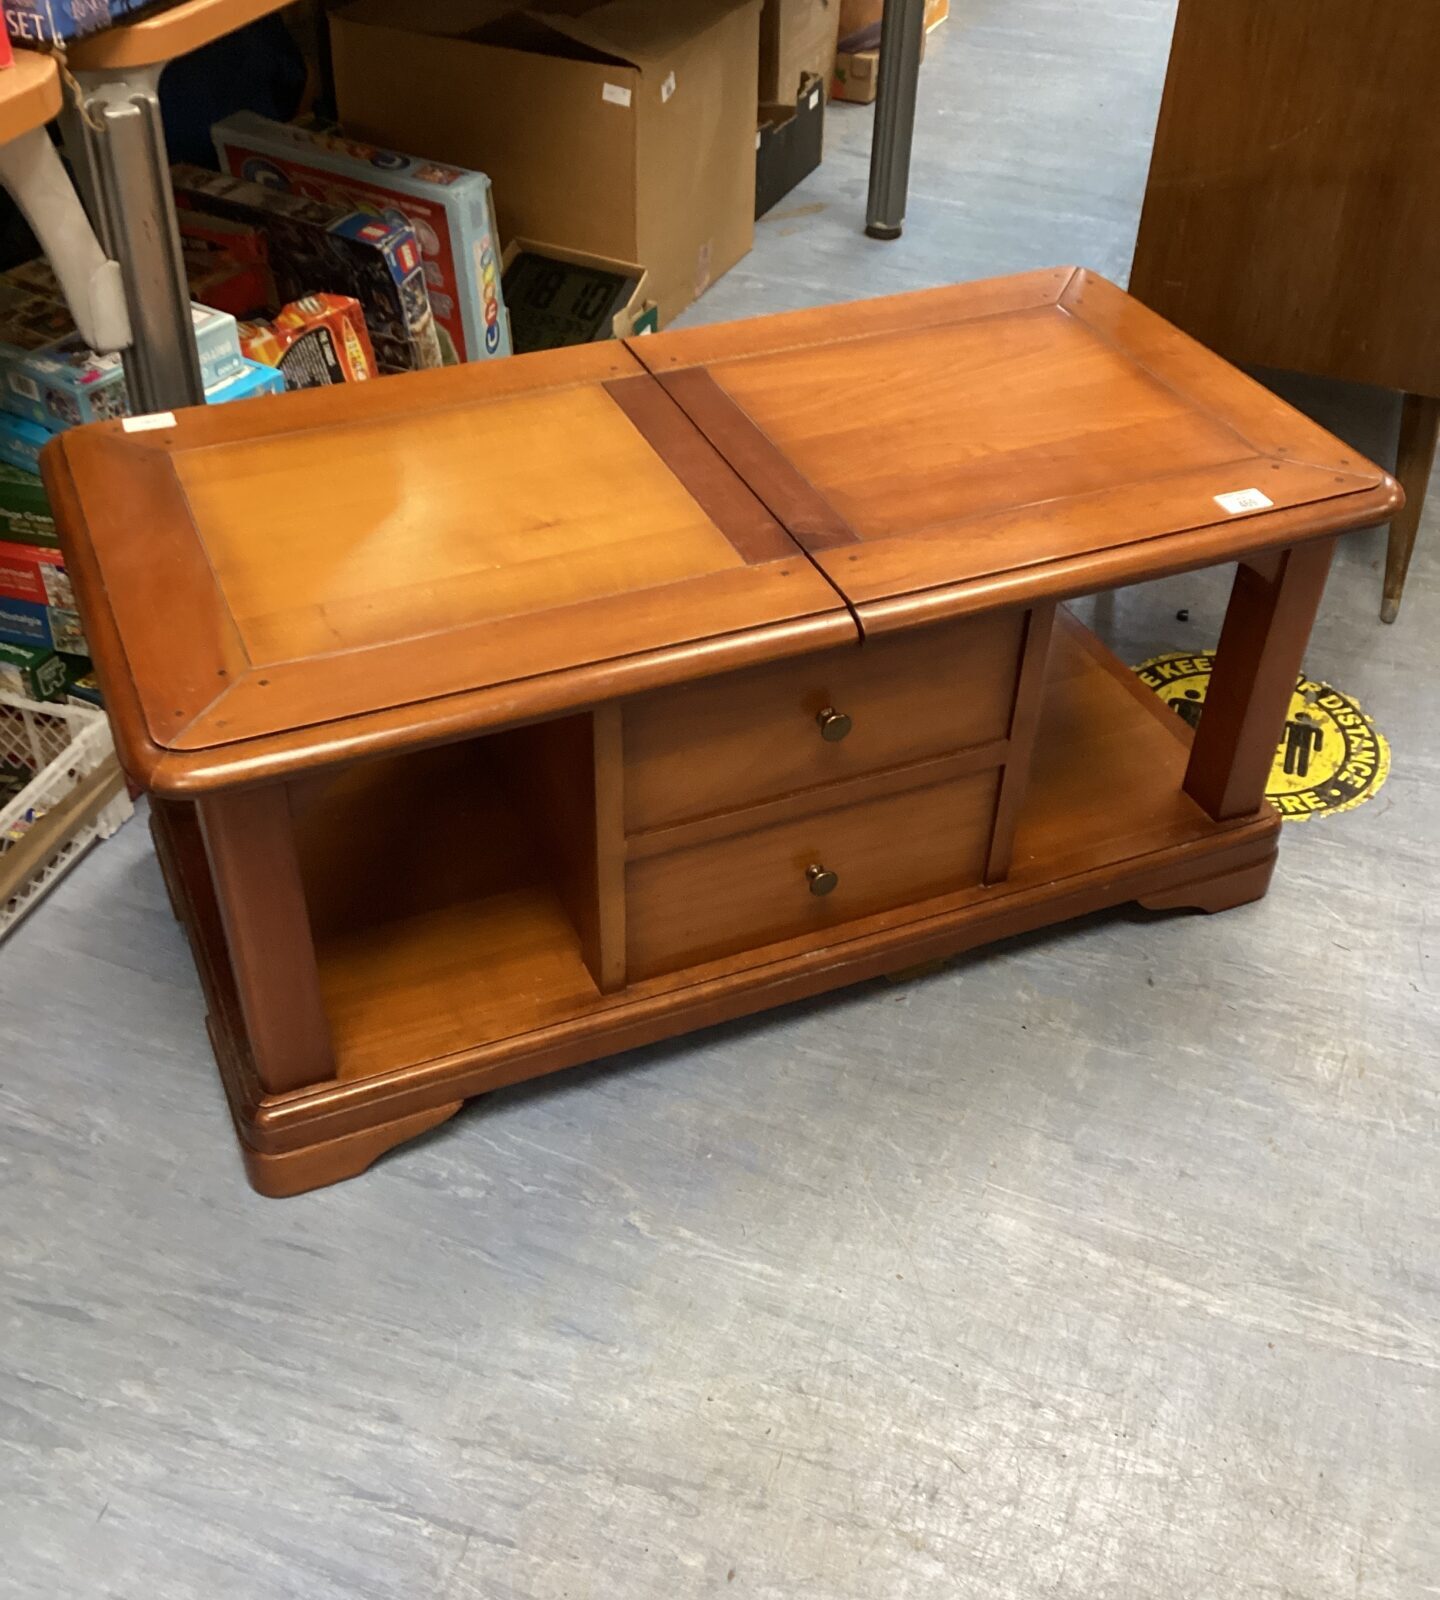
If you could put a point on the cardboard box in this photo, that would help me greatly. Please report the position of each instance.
(544, 331)
(25, 516)
(619, 129)
(30, 673)
(857, 67)
(797, 40)
(34, 22)
(313, 246)
(788, 144)
(450, 210)
(314, 342)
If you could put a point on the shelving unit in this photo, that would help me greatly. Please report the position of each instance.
(124, 172)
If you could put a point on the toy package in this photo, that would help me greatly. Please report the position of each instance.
(32, 674)
(254, 379)
(37, 22)
(227, 264)
(450, 209)
(313, 342)
(37, 626)
(314, 247)
(49, 375)
(21, 442)
(35, 573)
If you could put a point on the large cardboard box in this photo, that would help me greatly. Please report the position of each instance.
(797, 39)
(618, 128)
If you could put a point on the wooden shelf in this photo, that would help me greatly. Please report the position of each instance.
(437, 934)
(29, 94)
(152, 41)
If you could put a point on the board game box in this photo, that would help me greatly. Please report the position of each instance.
(314, 246)
(450, 209)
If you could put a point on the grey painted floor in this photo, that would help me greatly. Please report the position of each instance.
(1100, 1265)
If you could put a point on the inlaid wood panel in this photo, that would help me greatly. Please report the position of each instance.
(1006, 436)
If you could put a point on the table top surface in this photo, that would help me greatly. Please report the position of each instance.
(271, 585)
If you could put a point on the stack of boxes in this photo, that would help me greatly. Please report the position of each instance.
(50, 380)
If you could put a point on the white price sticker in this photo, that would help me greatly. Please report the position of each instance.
(615, 94)
(156, 419)
(667, 88)
(1239, 500)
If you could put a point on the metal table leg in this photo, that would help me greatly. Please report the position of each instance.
(128, 179)
(902, 37)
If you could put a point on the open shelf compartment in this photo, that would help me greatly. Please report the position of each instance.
(454, 909)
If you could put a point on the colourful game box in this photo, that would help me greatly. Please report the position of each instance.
(227, 264)
(41, 627)
(30, 673)
(61, 382)
(25, 516)
(34, 573)
(255, 379)
(33, 22)
(314, 342)
(21, 442)
(375, 259)
(450, 209)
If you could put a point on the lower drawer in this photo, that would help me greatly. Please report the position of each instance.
(749, 889)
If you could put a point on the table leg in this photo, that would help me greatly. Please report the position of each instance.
(129, 179)
(902, 38)
(1419, 431)
(250, 840)
(1267, 624)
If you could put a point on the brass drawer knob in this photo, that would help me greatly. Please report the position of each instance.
(821, 880)
(834, 725)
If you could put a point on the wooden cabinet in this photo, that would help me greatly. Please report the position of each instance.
(500, 718)
(1290, 218)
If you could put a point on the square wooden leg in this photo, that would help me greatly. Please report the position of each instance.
(1262, 643)
(250, 840)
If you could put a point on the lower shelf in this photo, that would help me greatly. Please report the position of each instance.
(450, 974)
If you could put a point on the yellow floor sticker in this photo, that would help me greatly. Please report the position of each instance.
(1331, 756)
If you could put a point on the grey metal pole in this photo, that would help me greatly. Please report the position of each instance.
(129, 180)
(902, 37)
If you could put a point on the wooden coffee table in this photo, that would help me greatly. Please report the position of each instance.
(501, 718)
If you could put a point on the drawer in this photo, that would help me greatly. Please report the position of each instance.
(749, 889)
(750, 736)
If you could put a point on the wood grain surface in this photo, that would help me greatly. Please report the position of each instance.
(1289, 219)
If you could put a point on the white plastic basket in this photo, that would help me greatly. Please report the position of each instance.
(75, 796)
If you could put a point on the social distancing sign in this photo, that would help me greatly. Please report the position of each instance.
(1331, 756)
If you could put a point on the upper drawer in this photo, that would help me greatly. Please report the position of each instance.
(751, 736)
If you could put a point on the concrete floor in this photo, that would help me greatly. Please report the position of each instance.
(1103, 1264)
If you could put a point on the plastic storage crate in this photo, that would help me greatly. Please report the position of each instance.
(75, 795)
